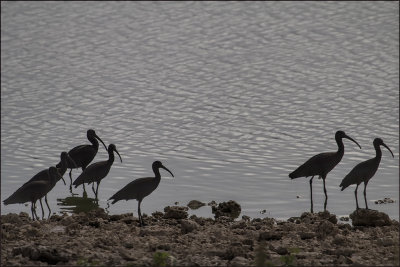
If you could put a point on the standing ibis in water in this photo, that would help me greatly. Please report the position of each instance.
(364, 171)
(322, 164)
(44, 176)
(84, 154)
(97, 171)
(140, 188)
(35, 190)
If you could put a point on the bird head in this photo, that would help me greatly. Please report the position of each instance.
(341, 134)
(379, 142)
(112, 148)
(157, 164)
(92, 134)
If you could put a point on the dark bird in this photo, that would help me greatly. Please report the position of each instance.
(97, 171)
(322, 164)
(364, 171)
(35, 190)
(44, 176)
(84, 154)
(140, 188)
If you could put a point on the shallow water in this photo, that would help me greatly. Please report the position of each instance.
(230, 96)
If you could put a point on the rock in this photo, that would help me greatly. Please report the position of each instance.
(128, 220)
(11, 218)
(175, 212)
(188, 226)
(231, 209)
(326, 228)
(386, 242)
(212, 203)
(239, 261)
(307, 235)
(281, 250)
(246, 218)
(41, 253)
(270, 235)
(97, 213)
(195, 204)
(67, 220)
(364, 217)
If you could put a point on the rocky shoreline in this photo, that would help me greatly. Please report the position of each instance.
(170, 238)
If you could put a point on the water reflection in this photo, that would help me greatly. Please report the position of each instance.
(76, 204)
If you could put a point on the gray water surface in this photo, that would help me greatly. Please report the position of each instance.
(230, 96)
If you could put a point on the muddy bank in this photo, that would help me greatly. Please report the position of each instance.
(171, 238)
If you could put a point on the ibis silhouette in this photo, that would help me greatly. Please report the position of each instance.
(84, 154)
(44, 176)
(364, 171)
(97, 171)
(140, 188)
(322, 164)
(35, 190)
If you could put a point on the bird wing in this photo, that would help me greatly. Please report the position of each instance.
(360, 173)
(40, 176)
(314, 166)
(28, 192)
(136, 189)
(82, 155)
(93, 172)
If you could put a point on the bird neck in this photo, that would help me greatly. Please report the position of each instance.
(157, 173)
(111, 156)
(94, 142)
(378, 152)
(339, 142)
(52, 177)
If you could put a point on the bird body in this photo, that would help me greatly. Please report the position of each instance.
(321, 164)
(140, 188)
(97, 171)
(82, 155)
(364, 171)
(147, 185)
(35, 189)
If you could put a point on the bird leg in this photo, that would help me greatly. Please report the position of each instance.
(40, 200)
(97, 188)
(355, 193)
(311, 194)
(141, 223)
(94, 192)
(365, 195)
(70, 177)
(33, 217)
(34, 210)
(47, 203)
(326, 195)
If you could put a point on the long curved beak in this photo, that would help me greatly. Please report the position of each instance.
(165, 168)
(98, 138)
(388, 148)
(348, 137)
(118, 154)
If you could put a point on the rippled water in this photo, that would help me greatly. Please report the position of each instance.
(230, 96)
